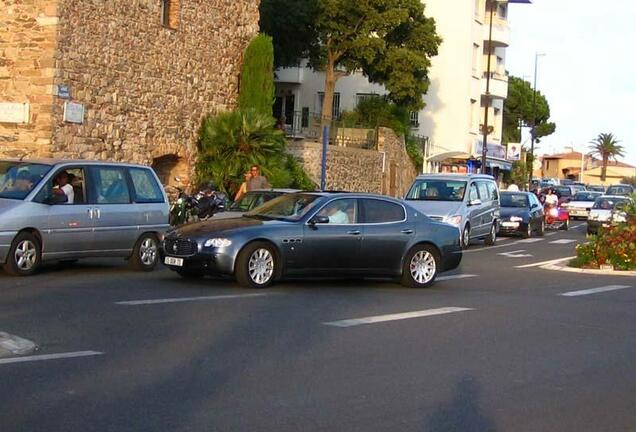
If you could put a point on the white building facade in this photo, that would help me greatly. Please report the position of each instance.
(453, 118)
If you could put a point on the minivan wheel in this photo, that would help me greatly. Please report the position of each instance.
(146, 253)
(256, 265)
(420, 267)
(492, 236)
(466, 237)
(25, 255)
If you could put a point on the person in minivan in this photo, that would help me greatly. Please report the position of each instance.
(63, 187)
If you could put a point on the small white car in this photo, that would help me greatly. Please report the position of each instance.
(608, 210)
(581, 204)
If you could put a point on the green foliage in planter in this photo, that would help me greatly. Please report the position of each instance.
(615, 245)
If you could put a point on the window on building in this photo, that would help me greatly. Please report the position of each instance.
(304, 121)
(502, 11)
(335, 106)
(414, 117)
(170, 13)
(364, 96)
(478, 9)
(473, 115)
(476, 55)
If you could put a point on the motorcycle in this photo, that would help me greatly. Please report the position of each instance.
(556, 217)
(209, 203)
(184, 209)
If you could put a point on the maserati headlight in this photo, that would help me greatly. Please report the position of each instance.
(453, 220)
(217, 242)
(516, 219)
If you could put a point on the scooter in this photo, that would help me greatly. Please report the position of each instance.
(556, 217)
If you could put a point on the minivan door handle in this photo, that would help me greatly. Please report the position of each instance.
(407, 231)
(354, 232)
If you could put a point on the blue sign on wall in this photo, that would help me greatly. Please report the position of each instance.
(63, 91)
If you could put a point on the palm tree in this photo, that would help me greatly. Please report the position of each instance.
(232, 141)
(606, 146)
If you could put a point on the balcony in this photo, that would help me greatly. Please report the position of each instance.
(498, 85)
(290, 75)
(500, 32)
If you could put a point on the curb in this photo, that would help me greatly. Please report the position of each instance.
(11, 345)
(565, 268)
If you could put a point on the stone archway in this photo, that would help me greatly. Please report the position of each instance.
(172, 170)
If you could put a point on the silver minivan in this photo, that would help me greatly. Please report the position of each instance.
(468, 201)
(64, 210)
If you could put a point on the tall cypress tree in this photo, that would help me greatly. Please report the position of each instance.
(257, 78)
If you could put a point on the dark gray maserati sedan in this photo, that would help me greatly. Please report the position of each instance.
(315, 234)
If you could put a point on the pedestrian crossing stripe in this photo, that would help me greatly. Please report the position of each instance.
(563, 241)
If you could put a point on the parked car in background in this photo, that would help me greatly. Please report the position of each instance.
(317, 234)
(620, 189)
(607, 210)
(251, 200)
(596, 188)
(521, 213)
(581, 203)
(110, 210)
(468, 201)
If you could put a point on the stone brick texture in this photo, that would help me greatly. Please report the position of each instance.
(145, 87)
(387, 170)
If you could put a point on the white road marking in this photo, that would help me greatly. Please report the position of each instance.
(551, 234)
(49, 357)
(458, 276)
(530, 240)
(595, 290)
(395, 317)
(189, 299)
(563, 241)
(515, 254)
(539, 264)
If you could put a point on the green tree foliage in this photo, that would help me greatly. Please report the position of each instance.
(518, 109)
(233, 141)
(257, 77)
(291, 24)
(390, 41)
(606, 146)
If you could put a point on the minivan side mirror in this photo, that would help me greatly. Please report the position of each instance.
(475, 202)
(319, 220)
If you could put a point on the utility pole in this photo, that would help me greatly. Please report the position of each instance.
(484, 147)
(533, 132)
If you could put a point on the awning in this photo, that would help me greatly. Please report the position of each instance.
(498, 163)
(448, 155)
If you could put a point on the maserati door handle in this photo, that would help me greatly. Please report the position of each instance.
(353, 232)
(407, 231)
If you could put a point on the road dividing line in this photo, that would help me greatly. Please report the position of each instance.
(530, 240)
(396, 317)
(49, 357)
(190, 299)
(515, 254)
(452, 277)
(542, 263)
(594, 290)
(563, 241)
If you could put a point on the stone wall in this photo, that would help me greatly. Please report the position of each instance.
(387, 170)
(28, 37)
(145, 88)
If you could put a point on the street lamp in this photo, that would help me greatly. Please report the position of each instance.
(533, 132)
(484, 148)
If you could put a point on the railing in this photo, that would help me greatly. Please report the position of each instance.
(308, 125)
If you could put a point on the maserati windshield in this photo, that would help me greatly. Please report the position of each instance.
(291, 207)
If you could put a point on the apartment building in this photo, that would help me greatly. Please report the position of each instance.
(456, 101)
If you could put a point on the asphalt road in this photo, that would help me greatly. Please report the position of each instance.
(492, 348)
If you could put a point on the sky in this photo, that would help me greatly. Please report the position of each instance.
(588, 73)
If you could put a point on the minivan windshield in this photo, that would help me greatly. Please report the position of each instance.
(18, 179)
(437, 190)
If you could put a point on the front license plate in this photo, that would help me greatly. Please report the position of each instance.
(510, 224)
(177, 262)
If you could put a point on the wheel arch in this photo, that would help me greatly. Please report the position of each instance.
(278, 254)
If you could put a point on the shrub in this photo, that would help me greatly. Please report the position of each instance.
(615, 245)
(257, 76)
